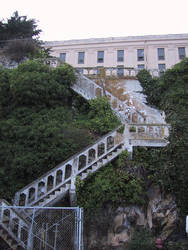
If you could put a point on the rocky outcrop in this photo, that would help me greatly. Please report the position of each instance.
(159, 215)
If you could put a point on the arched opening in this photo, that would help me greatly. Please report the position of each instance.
(109, 98)
(82, 162)
(31, 195)
(6, 217)
(22, 199)
(150, 131)
(101, 149)
(91, 155)
(68, 171)
(41, 188)
(14, 226)
(98, 92)
(24, 234)
(110, 142)
(59, 175)
(120, 107)
(50, 182)
(141, 130)
(134, 118)
(114, 104)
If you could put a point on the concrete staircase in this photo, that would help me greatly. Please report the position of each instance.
(13, 227)
(55, 184)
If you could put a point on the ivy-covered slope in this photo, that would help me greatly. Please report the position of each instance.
(43, 122)
(170, 164)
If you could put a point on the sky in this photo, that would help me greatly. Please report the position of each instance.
(79, 19)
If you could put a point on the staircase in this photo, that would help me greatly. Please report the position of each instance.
(55, 184)
(52, 186)
(13, 227)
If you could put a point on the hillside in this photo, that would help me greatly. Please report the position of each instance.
(43, 122)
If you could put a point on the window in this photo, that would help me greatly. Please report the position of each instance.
(181, 52)
(120, 55)
(161, 53)
(140, 54)
(141, 66)
(120, 70)
(100, 56)
(162, 68)
(81, 57)
(63, 56)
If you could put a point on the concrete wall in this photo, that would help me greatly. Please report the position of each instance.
(150, 44)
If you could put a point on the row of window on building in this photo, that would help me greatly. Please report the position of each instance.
(120, 55)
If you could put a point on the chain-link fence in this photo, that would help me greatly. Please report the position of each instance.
(48, 227)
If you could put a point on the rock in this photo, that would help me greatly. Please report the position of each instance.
(160, 215)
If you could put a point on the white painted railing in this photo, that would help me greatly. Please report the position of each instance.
(55, 181)
(87, 88)
(13, 224)
(148, 131)
(115, 71)
(90, 90)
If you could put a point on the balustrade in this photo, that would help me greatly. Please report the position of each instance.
(17, 226)
(66, 171)
(113, 71)
(148, 131)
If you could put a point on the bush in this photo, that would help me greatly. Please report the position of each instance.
(170, 93)
(142, 240)
(112, 184)
(101, 117)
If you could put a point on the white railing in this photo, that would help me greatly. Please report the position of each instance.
(148, 131)
(66, 172)
(90, 90)
(87, 88)
(115, 71)
(12, 222)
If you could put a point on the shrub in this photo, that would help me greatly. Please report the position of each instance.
(101, 117)
(142, 240)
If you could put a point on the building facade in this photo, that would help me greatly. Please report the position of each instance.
(153, 52)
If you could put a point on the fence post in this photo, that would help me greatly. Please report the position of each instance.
(30, 236)
(76, 241)
(81, 229)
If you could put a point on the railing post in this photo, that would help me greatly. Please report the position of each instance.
(30, 236)
(72, 191)
(16, 199)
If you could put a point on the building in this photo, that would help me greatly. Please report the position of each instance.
(153, 52)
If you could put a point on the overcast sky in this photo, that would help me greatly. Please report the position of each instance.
(77, 19)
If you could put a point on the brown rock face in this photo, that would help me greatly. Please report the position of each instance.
(160, 216)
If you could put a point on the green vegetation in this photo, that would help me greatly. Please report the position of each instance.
(170, 93)
(112, 184)
(100, 107)
(42, 122)
(19, 38)
(142, 239)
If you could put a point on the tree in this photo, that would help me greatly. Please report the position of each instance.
(36, 123)
(19, 37)
(170, 94)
